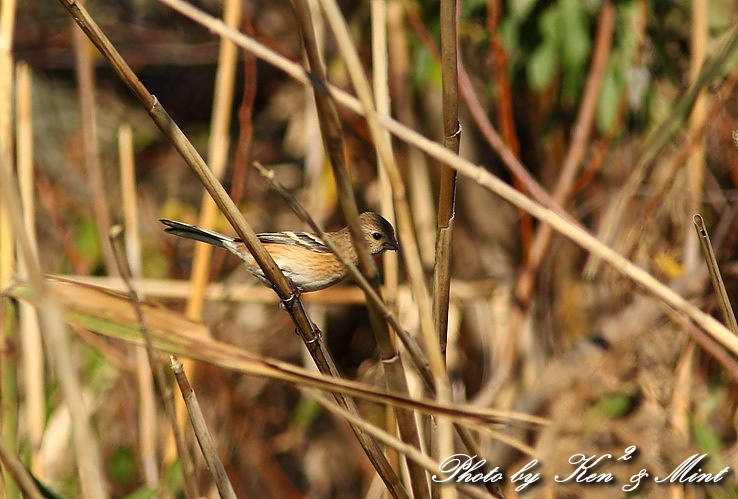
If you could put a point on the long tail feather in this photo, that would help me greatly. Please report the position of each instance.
(191, 232)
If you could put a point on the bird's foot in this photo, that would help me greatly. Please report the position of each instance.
(286, 304)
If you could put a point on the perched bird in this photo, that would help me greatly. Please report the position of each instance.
(303, 257)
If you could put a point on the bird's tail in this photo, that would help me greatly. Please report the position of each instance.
(191, 232)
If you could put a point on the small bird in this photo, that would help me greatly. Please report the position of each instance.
(303, 257)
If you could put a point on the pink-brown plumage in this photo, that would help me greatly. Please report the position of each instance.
(302, 257)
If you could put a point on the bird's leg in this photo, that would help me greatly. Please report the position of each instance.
(287, 304)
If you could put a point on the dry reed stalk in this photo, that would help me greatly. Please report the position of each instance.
(8, 363)
(380, 80)
(173, 332)
(163, 388)
(85, 447)
(696, 122)
(332, 136)
(307, 330)
(218, 146)
(320, 192)
(442, 439)
(7, 27)
(679, 409)
(380, 85)
(31, 348)
(20, 474)
(717, 279)
(404, 218)
(487, 180)
(420, 190)
(200, 427)
(147, 414)
(447, 190)
(9, 390)
(462, 292)
(87, 90)
(577, 148)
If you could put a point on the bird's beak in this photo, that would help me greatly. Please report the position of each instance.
(391, 245)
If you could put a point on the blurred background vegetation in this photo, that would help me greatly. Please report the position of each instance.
(637, 97)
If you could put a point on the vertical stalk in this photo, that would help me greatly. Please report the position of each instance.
(333, 140)
(31, 349)
(8, 400)
(147, 414)
(696, 158)
(442, 444)
(86, 89)
(218, 146)
(447, 193)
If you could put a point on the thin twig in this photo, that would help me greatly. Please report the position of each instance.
(162, 386)
(19, 473)
(200, 427)
(715, 276)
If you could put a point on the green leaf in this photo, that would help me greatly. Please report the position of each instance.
(143, 493)
(519, 9)
(706, 439)
(575, 41)
(541, 67)
(549, 23)
(614, 405)
(607, 107)
(86, 240)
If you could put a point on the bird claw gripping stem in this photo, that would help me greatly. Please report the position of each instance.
(287, 303)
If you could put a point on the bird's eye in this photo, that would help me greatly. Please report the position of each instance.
(377, 236)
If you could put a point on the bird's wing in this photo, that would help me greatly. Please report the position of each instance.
(302, 239)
